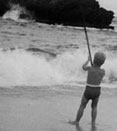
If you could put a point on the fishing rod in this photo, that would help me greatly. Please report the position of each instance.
(87, 39)
(86, 35)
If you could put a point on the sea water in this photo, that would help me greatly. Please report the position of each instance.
(37, 54)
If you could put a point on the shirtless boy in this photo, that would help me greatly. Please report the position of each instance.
(93, 89)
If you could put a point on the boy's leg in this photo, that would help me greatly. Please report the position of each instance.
(94, 110)
(83, 104)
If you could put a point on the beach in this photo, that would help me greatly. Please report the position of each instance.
(51, 110)
(42, 81)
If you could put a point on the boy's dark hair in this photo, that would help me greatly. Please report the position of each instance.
(99, 58)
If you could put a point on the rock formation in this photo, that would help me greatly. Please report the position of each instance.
(66, 12)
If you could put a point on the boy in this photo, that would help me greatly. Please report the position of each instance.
(92, 91)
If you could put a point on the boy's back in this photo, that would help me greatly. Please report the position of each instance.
(95, 75)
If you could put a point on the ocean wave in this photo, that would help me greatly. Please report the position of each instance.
(20, 67)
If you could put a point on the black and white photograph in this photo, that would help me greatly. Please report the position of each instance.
(58, 65)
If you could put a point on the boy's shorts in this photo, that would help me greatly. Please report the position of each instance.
(92, 92)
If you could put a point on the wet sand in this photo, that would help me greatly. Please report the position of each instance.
(51, 111)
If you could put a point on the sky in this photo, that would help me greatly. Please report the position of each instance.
(109, 5)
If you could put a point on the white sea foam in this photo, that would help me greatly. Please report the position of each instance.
(20, 67)
(14, 13)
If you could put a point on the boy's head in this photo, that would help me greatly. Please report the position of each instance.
(99, 58)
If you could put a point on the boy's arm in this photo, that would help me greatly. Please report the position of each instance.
(85, 65)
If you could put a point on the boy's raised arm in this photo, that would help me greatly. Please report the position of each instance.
(85, 65)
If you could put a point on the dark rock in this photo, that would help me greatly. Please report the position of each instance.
(66, 12)
(4, 6)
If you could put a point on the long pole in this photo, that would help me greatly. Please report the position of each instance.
(88, 45)
(87, 39)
